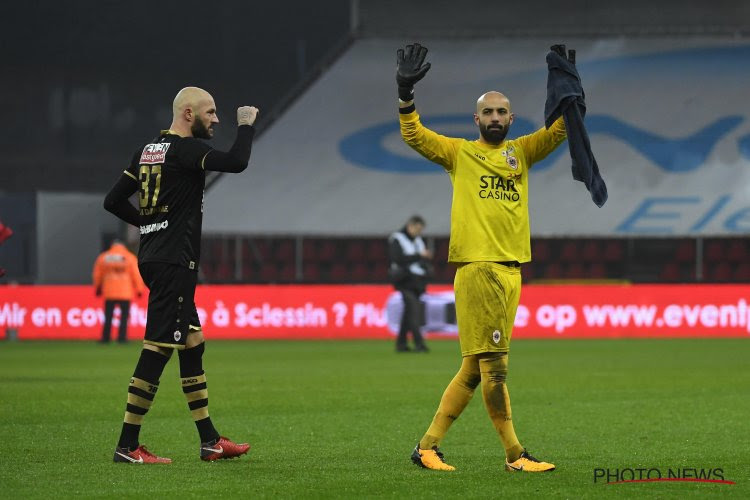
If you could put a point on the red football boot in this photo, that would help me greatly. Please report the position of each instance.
(139, 456)
(222, 448)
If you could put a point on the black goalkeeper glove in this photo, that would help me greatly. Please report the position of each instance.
(411, 69)
(560, 50)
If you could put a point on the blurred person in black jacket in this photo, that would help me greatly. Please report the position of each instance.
(409, 270)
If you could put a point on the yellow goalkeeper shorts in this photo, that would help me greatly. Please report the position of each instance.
(487, 295)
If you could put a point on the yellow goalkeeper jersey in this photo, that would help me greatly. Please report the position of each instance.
(490, 209)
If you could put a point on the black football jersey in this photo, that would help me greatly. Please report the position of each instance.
(171, 179)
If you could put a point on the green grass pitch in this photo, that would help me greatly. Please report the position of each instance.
(338, 419)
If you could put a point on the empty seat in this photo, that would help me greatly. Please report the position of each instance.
(540, 250)
(338, 273)
(247, 271)
(207, 271)
(360, 272)
(569, 252)
(592, 251)
(685, 251)
(268, 273)
(721, 273)
(714, 251)
(441, 249)
(553, 271)
(597, 270)
(223, 272)
(211, 249)
(377, 251)
(287, 273)
(575, 270)
(379, 273)
(309, 250)
(311, 272)
(737, 251)
(327, 251)
(355, 251)
(613, 251)
(284, 251)
(527, 272)
(670, 272)
(742, 273)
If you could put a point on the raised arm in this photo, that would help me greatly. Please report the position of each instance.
(235, 160)
(437, 148)
(537, 145)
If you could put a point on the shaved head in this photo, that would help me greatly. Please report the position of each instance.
(190, 97)
(493, 99)
(194, 113)
(493, 117)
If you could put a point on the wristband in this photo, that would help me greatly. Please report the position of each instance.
(406, 94)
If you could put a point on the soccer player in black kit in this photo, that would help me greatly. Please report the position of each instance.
(169, 174)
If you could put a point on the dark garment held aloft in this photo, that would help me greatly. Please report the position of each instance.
(565, 97)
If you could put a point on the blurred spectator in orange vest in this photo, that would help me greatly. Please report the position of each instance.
(117, 278)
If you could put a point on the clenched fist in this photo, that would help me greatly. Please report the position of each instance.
(246, 115)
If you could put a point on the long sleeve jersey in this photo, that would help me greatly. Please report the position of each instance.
(490, 208)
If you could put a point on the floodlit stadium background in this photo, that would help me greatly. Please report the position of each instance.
(330, 177)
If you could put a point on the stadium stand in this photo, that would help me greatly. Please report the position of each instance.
(360, 163)
(237, 259)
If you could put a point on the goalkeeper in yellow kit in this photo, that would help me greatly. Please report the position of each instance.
(489, 241)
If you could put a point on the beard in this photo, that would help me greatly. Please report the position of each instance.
(493, 134)
(200, 131)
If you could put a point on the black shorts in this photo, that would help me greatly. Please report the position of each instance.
(171, 304)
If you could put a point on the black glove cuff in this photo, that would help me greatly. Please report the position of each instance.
(406, 94)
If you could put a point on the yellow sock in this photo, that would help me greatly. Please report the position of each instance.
(494, 369)
(455, 398)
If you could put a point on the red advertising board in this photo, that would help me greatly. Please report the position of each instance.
(373, 311)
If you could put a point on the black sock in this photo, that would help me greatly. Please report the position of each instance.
(141, 392)
(196, 391)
